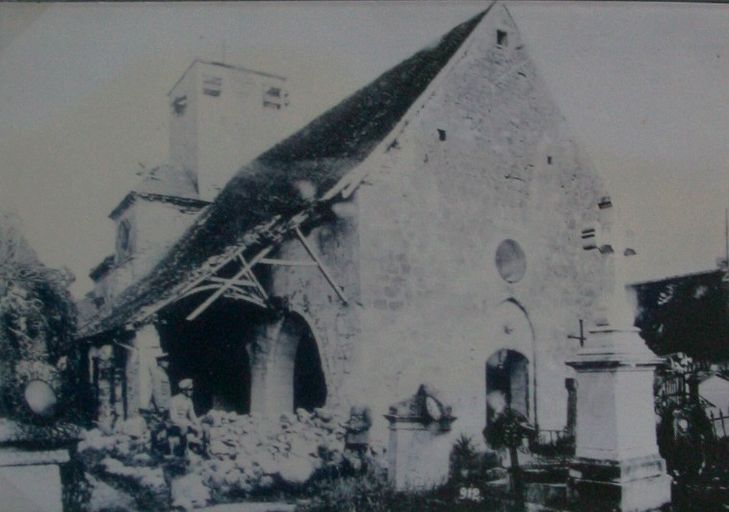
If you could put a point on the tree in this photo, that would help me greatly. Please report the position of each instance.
(508, 430)
(686, 314)
(39, 364)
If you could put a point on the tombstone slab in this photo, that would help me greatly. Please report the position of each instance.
(30, 481)
(419, 449)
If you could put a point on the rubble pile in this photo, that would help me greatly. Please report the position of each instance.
(245, 454)
(122, 462)
(249, 454)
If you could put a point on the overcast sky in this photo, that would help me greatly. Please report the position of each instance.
(82, 101)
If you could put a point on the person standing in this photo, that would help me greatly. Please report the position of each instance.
(185, 425)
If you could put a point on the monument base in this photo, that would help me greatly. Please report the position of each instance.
(633, 485)
(30, 481)
(418, 457)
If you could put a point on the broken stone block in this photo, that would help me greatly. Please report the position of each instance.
(188, 492)
(296, 470)
(105, 497)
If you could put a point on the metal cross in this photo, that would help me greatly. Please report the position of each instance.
(581, 337)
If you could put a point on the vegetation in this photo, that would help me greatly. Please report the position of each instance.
(687, 315)
(37, 325)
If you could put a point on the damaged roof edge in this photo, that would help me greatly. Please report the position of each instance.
(323, 152)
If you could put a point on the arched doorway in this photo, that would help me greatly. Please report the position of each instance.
(294, 377)
(212, 350)
(507, 383)
(510, 367)
(310, 389)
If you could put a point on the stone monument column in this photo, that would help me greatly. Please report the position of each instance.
(616, 465)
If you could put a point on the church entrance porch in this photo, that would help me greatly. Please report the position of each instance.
(212, 350)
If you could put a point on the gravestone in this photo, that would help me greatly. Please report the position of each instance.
(419, 449)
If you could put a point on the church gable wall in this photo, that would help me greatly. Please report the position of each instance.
(487, 159)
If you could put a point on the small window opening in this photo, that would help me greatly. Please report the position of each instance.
(502, 38)
(276, 98)
(549, 160)
(212, 85)
(179, 105)
(124, 240)
(441, 134)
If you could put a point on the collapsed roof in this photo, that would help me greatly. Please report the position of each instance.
(266, 191)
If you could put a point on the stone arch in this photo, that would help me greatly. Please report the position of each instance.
(511, 361)
(289, 370)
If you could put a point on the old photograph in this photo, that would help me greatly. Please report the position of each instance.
(364, 256)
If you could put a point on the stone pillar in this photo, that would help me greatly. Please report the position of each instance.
(30, 481)
(142, 357)
(571, 386)
(260, 353)
(419, 449)
(103, 358)
(617, 465)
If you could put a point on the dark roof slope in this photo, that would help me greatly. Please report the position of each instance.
(320, 154)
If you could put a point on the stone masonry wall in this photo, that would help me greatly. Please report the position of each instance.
(487, 158)
(335, 326)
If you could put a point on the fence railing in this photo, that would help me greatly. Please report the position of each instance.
(552, 443)
(719, 423)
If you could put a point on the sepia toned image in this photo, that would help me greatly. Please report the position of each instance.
(364, 256)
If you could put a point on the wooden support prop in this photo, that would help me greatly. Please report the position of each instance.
(321, 266)
(202, 307)
(239, 295)
(252, 277)
(239, 282)
(288, 263)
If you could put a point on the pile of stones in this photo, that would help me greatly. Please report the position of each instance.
(121, 462)
(245, 455)
(249, 454)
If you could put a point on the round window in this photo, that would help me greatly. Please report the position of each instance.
(510, 261)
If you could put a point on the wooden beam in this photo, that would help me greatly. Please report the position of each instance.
(288, 263)
(253, 278)
(238, 295)
(239, 282)
(321, 266)
(202, 307)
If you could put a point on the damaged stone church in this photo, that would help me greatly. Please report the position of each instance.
(424, 231)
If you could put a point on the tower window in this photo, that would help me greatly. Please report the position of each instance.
(441, 134)
(124, 240)
(212, 85)
(549, 160)
(502, 38)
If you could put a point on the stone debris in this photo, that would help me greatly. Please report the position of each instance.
(246, 455)
(146, 477)
(188, 492)
(105, 498)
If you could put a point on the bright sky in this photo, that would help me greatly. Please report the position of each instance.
(82, 99)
